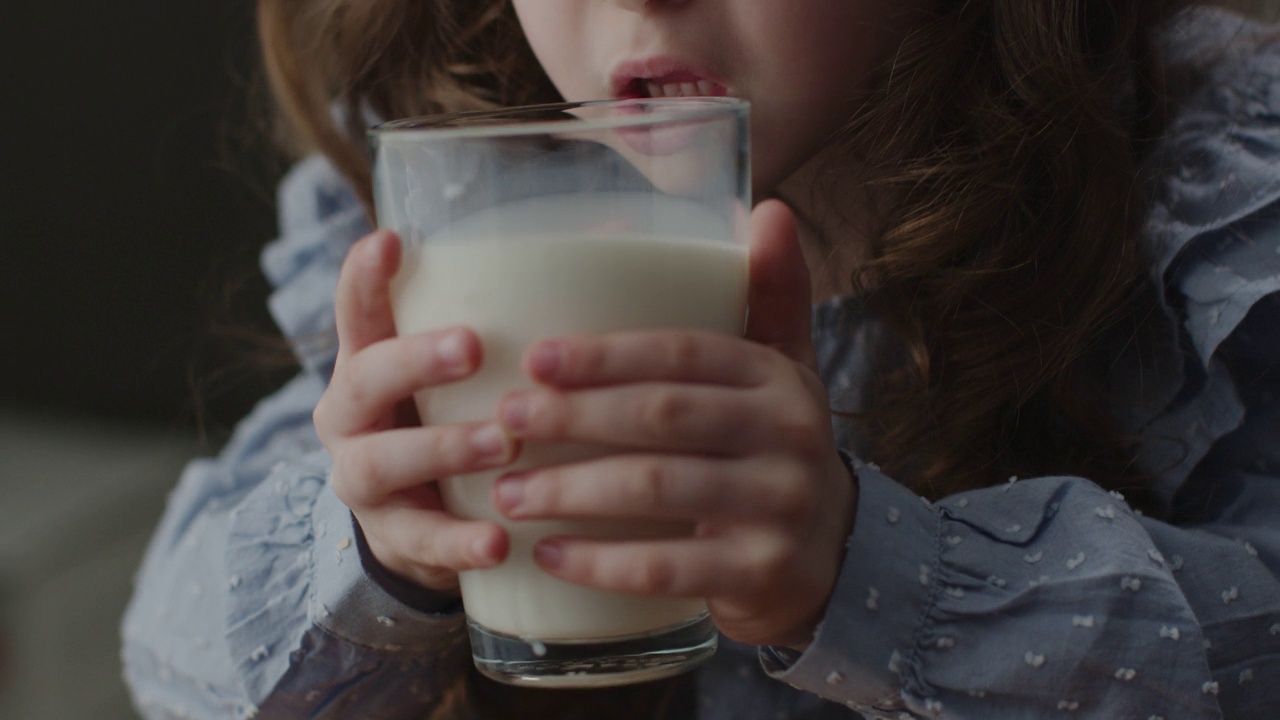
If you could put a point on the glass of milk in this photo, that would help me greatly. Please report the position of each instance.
(536, 222)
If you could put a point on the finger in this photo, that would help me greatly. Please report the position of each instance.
(779, 296)
(418, 543)
(644, 416)
(657, 487)
(629, 357)
(684, 567)
(369, 383)
(371, 468)
(362, 302)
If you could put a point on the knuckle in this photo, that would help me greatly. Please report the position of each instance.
(585, 360)
(423, 547)
(649, 488)
(791, 499)
(345, 485)
(407, 359)
(770, 563)
(764, 362)
(663, 414)
(446, 447)
(683, 353)
(388, 554)
(548, 414)
(656, 575)
(811, 382)
(430, 549)
(351, 382)
(455, 555)
(800, 433)
(449, 450)
(356, 476)
(320, 418)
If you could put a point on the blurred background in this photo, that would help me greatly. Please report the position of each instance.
(137, 190)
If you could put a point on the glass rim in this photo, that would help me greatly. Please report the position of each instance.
(441, 127)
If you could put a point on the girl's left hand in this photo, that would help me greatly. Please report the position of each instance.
(731, 434)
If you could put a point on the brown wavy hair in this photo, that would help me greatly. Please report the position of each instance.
(1009, 261)
(331, 62)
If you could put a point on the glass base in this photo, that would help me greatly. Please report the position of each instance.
(592, 663)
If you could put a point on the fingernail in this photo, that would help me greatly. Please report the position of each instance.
(544, 360)
(548, 554)
(490, 441)
(451, 351)
(515, 412)
(510, 491)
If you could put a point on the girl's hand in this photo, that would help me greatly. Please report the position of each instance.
(731, 434)
(384, 462)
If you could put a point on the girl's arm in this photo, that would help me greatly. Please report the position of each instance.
(1052, 596)
(253, 596)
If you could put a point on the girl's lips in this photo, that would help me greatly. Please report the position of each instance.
(660, 77)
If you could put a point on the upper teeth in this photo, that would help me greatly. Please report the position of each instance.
(685, 89)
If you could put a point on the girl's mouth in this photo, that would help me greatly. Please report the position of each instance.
(663, 77)
(670, 87)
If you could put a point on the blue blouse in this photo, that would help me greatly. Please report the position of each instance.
(1047, 597)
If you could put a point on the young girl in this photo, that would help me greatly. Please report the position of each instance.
(1001, 440)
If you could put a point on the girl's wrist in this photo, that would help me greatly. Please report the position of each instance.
(789, 651)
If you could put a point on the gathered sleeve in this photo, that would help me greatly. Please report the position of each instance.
(252, 599)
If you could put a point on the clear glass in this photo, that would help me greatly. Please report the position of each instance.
(537, 222)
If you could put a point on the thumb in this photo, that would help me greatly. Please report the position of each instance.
(362, 303)
(779, 298)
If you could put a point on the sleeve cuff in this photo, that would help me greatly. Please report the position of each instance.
(881, 598)
(350, 603)
(415, 596)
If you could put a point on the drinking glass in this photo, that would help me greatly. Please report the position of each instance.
(535, 222)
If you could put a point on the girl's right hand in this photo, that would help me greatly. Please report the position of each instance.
(385, 462)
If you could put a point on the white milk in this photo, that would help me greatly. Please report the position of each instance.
(513, 292)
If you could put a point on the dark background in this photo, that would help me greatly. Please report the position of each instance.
(137, 191)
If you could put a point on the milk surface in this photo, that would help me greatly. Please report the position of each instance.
(514, 291)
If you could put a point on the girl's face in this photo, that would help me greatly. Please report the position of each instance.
(799, 62)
